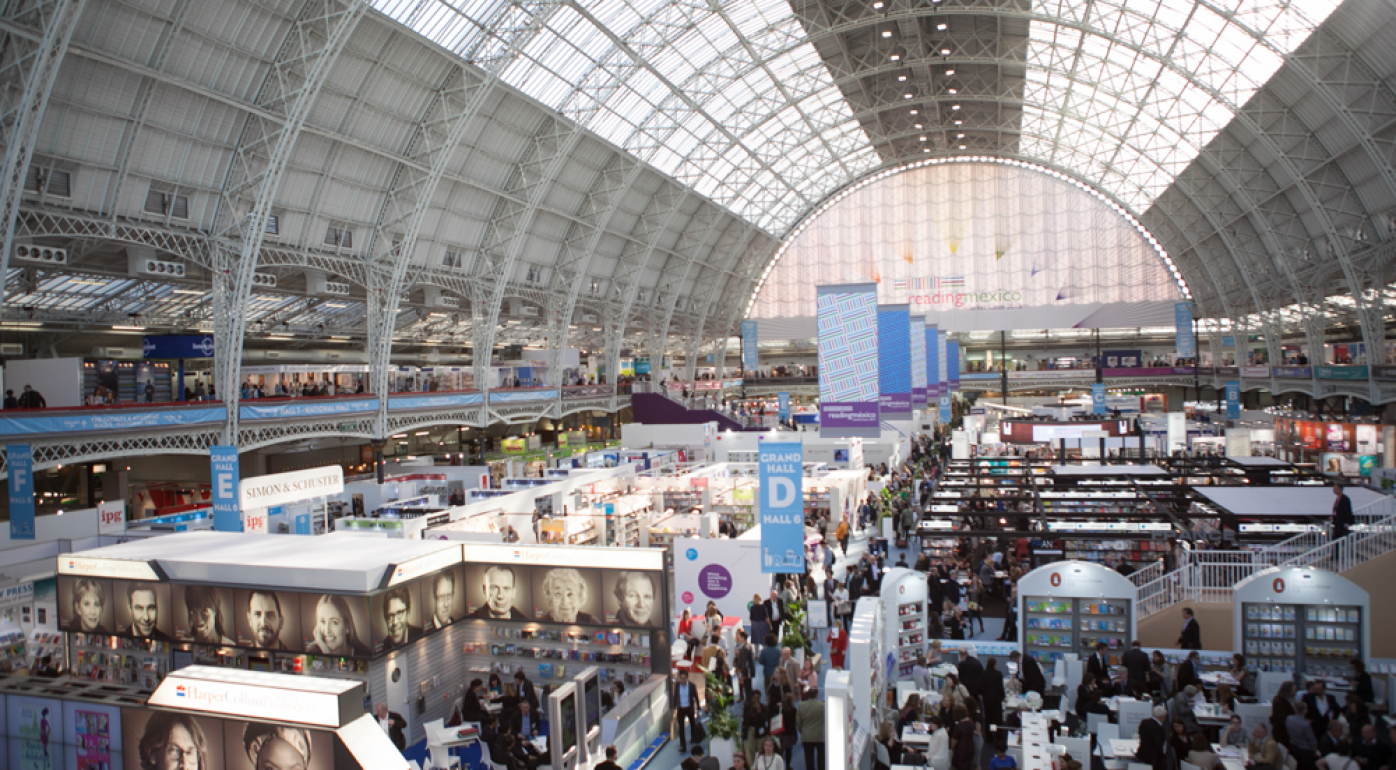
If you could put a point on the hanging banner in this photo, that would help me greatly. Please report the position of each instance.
(783, 406)
(227, 514)
(952, 364)
(1184, 342)
(848, 380)
(782, 507)
(894, 362)
(19, 458)
(1098, 398)
(943, 370)
(918, 362)
(1233, 400)
(750, 361)
(943, 404)
(932, 364)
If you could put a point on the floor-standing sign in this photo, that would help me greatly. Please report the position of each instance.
(848, 383)
(227, 515)
(782, 507)
(19, 458)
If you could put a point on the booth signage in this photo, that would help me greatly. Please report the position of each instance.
(782, 508)
(305, 408)
(231, 699)
(111, 517)
(16, 594)
(21, 424)
(178, 346)
(1255, 371)
(575, 556)
(1233, 400)
(131, 569)
(282, 488)
(227, 516)
(1098, 398)
(19, 459)
(1184, 341)
(424, 565)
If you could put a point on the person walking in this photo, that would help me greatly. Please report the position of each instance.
(810, 721)
(1342, 513)
(841, 534)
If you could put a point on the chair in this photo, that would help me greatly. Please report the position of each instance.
(1094, 721)
(1107, 732)
(439, 758)
(1078, 748)
(1183, 765)
(1138, 766)
(882, 755)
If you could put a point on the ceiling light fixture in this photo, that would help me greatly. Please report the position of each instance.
(959, 122)
(940, 27)
(954, 107)
(906, 96)
(901, 78)
(954, 91)
(124, 328)
(886, 33)
(962, 147)
(877, 6)
(86, 282)
(896, 57)
(949, 73)
(191, 292)
(913, 112)
(959, 136)
(922, 139)
(945, 52)
(918, 125)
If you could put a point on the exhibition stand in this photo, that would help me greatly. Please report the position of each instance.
(1302, 621)
(1068, 606)
(867, 662)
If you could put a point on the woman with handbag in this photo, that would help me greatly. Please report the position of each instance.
(755, 723)
(786, 728)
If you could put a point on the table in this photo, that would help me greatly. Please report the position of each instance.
(450, 737)
(1212, 715)
(1123, 748)
(912, 738)
(1214, 678)
(494, 706)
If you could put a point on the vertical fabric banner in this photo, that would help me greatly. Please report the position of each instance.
(952, 364)
(918, 362)
(227, 511)
(783, 405)
(894, 362)
(303, 524)
(1184, 342)
(942, 371)
(750, 361)
(1097, 398)
(1233, 400)
(932, 364)
(782, 507)
(848, 361)
(943, 404)
(19, 458)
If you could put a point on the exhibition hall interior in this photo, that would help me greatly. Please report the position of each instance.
(735, 385)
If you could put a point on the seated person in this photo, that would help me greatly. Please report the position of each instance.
(1201, 753)
(1001, 760)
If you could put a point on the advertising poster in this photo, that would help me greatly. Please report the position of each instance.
(944, 409)
(750, 359)
(19, 459)
(1366, 439)
(85, 605)
(1345, 464)
(727, 573)
(783, 406)
(161, 739)
(499, 591)
(397, 617)
(93, 735)
(918, 362)
(36, 733)
(632, 598)
(144, 610)
(1335, 437)
(894, 361)
(1233, 400)
(443, 598)
(261, 746)
(567, 595)
(205, 615)
(848, 377)
(1183, 341)
(514, 446)
(267, 619)
(952, 364)
(227, 512)
(333, 624)
(1098, 398)
(782, 513)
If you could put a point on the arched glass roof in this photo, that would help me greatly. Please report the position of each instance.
(736, 99)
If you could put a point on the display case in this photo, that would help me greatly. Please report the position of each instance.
(1301, 620)
(1070, 606)
(904, 595)
(118, 659)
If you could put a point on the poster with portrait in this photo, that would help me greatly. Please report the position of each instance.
(499, 591)
(632, 598)
(143, 609)
(204, 614)
(267, 619)
(567, 595)
(170, 739)
(335, 624)
(85, 605)
(35, 728)
(443, 598)
(396, 617)
(260, 746)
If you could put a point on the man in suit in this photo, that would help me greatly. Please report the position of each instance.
(971, 671)
(1191, 637)
(525, 689)
(1322, 706)
(1342, 512)
(1098, 666)
(145, 611)
(396, 604)
(1370, 753)
(1136, 662)
(684, 696)
(525, 723)
(1328, 742)
(775, 611)
(500, 586)
(1029, 673)
(1153, 746)
(393, 724)
(1189, 671)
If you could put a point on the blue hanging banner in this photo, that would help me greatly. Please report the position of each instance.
(227, 512)
(918, 362)
(750, 361)
(1184, 342)
(783, 408)
(782, 507)
(952, 364)
(944, 402)
(302, 524)
(19, 458)
(894, 361)
(932, 364)
(1098, 398)
(1233, 400)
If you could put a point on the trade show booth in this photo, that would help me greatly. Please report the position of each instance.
(1068, 606)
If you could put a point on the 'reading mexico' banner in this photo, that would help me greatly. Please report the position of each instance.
(894, 362)
(932, 364)
(918, 362)
(848, 384)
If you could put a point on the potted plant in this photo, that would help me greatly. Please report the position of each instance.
(724, 727)
(795, 637)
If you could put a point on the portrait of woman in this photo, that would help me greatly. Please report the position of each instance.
(276, 747)
(90, 605)
(566, 596)
(633, 599)
(332, 626)
(205, 608)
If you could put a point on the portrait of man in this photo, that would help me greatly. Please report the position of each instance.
(263, 618)
(442, 594)
(565, 595)
(168, 740)
(395, 608)
(633, 598)
(144, 611)
(502, 591)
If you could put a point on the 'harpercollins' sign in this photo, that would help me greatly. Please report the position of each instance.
(282, 488)
(274, 700)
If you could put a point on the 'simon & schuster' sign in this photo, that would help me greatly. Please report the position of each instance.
(282, 488)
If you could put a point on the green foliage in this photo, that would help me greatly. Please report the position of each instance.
(795, 637)
(722, 722)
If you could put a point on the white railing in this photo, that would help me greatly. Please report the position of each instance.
(1148, 574)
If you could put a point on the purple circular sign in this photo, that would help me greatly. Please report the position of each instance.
(715, 581)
